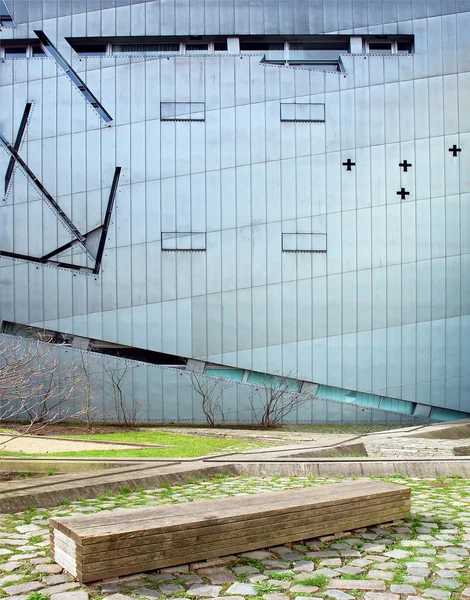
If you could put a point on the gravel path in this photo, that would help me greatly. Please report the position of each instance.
(41, 445)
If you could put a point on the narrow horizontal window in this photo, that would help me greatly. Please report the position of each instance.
(304, 242)
(174, 241)
(95, 50)
(182, 111)
(220, 46)
(146, 49)
(197, 48)
(300, 111)
(16, 52)
(380, 47)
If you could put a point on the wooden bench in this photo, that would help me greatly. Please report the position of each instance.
(126, 541)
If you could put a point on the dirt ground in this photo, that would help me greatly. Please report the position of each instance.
(43, 445)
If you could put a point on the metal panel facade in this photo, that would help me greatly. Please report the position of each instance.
(224, 156)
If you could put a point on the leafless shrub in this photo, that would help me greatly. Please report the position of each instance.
(274, 398)
(35, 384)
(211, 390)
(127, 413)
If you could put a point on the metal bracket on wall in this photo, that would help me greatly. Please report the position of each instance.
(17, 144)
(52, 51)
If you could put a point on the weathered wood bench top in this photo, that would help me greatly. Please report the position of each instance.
(126, 541)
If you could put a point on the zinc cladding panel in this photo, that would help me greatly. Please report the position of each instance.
(386, 249)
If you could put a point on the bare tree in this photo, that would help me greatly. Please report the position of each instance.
(36, 386)
(88, 411)
(127, 414)
(274, 398)
(211, 390)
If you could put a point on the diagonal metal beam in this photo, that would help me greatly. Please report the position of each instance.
(17, 145)
(107, 220)
(59, 250)
(52, 51)
(63, 217)
(42, 261)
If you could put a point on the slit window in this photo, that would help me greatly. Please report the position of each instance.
(125, 49)
(197, 48)
(174, 241)
(380, 47)
(182, 111)
(16, 51)
(303, 112)
(304, 242)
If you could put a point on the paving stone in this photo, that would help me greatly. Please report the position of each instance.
(242, 589)
(437, 594)
(350, 570)
(304, 589)
(465, 595)
(80, 595)
(20, 597)
(118, 597)
(207, 591)
(448, 574)
(324, 554)
(384, 575)
(387, 566)
(53, 569)
(259, 554)
(8, 567)
(373, 548)
(419, 572)
(109, 588)
(327, 572)
(4, 552)
(398, 553)
(280, 549)
(56, 579)
(331, 562)
(413, 579)
(255, 578)
(339, 595)
(380, 596)
(356, 584)
(304, 565)
(191, 578)
(23, 588)
(245, 570)
(457, 550)
(10, 579)
(449, 565)
(177, 569)
(442, 582)
(220, 578)
(285, 585)
(276, 596)
(402, 589)
(308, 598)
(58, 589)
(169, 589)
(275, 564)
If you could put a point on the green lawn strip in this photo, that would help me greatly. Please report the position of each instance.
(177, 446)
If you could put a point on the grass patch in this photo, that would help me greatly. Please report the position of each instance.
(315, 581)
(263, 587)
(178, 445)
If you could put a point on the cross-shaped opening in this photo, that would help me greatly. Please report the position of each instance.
(348, 164)
(454, 150)
(403, 193)
(405, 164)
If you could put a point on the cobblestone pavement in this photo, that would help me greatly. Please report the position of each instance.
(426, 557)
